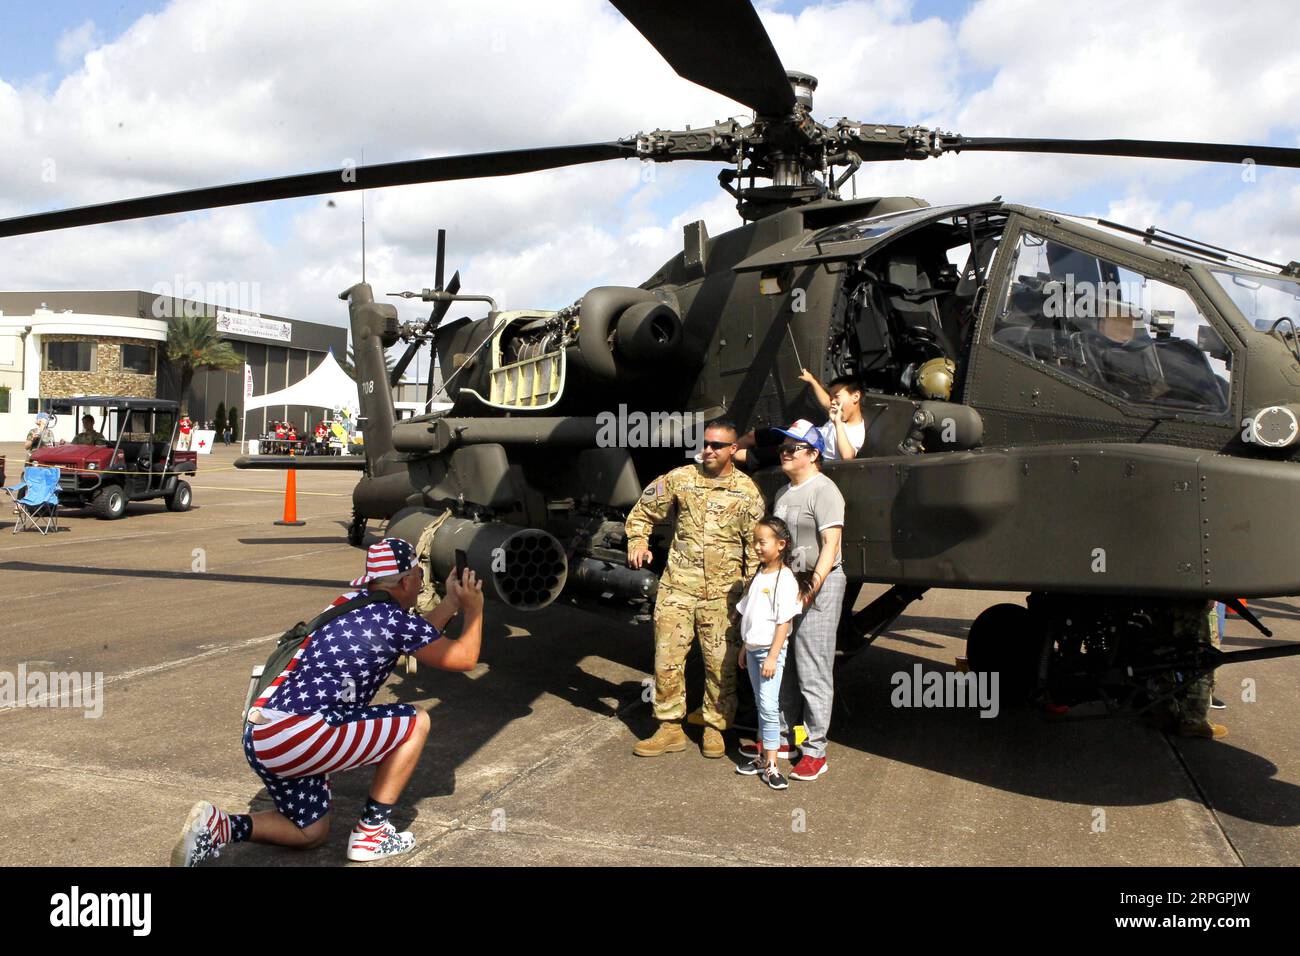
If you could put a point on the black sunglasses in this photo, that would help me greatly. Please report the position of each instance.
(791, 449)
(718, 445)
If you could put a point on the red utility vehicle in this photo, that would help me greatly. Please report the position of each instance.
(129, 456)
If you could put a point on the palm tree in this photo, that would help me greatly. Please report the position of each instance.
(193, 344)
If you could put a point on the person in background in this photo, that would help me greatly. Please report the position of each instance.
(40, 435)
(1221, 616)
(88, 435)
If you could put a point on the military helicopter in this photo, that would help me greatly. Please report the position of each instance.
(1104, 417)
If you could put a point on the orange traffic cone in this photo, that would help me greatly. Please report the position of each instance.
(290, 499)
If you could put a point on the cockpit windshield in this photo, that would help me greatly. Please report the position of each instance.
(1262, 299)
(1113, 328)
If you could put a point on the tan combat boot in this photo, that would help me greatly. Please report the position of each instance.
(713, 745)
(669, 738)
(1206, 729)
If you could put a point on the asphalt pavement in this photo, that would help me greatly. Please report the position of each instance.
(530, 755)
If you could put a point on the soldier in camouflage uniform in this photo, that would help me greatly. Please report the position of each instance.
(714, 507)
(1194, 622)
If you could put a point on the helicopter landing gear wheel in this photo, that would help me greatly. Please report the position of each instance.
(1003, 639)
(357, 531)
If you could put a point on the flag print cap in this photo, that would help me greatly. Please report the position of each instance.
(386, 558)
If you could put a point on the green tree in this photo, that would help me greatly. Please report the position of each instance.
(193, 344)
(234, 423)
(220, 421)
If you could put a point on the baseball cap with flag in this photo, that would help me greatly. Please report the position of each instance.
(804, 431)
(386, 558)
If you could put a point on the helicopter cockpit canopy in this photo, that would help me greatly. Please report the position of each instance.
(1263, 300)
(1132, 336)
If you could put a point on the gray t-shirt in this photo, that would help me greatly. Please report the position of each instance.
(809, 509)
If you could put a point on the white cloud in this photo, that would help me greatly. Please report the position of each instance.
(202, 93)
(76, 43)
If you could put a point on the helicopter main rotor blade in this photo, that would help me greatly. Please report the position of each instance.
(407, 172)
(1141, 148)
(719, 44)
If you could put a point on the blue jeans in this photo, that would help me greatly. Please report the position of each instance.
(767, 693)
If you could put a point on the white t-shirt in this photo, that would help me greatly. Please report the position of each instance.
(857, 437)
(772, 599)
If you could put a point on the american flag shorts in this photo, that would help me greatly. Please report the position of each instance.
(294, 754)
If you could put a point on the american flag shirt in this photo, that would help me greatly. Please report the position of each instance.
(344, 663)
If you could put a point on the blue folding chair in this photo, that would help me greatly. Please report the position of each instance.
(38, 505)
(13, 491)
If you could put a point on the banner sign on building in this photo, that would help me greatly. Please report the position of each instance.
(237, 323)
(248, 380)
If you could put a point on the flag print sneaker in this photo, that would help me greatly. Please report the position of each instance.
(206, 831)
(368, 843)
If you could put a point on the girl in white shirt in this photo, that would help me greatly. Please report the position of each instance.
(767, 611)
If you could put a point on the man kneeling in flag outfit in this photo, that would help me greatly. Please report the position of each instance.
(316, 717)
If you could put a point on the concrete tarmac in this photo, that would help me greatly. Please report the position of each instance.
(530, 756)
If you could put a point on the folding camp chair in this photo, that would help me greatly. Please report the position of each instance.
(12, 491)
(38, 505)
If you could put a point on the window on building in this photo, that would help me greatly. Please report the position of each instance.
(4, 400)
(70, 357)
(138, 358)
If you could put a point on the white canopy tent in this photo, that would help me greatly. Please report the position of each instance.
(327, 386)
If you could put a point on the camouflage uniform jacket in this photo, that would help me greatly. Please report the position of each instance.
(713, 543)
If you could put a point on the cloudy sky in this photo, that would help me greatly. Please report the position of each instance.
(107, 100)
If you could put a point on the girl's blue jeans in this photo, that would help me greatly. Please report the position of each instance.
(767, 694)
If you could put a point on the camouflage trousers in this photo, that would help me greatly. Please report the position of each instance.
(678, 619)
(1196, 623)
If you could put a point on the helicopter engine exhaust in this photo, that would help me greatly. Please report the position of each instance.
(523, 568)
(624, 331)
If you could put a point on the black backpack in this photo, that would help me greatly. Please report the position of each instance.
(287, 646)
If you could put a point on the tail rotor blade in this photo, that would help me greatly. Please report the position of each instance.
(442, 252)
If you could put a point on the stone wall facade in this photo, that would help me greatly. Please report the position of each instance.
(109, 378)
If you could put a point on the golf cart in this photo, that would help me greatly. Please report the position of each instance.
(129, 456)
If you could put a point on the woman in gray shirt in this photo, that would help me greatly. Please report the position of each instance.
(813, 508)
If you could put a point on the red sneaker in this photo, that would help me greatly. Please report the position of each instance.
(809, 768)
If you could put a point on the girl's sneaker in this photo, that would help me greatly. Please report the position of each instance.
(785, 752)
(772, 777)
(374, 843)
(752, 768)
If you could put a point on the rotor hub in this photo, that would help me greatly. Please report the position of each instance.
(804, 85)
